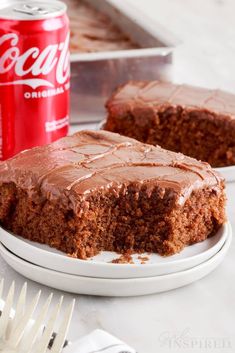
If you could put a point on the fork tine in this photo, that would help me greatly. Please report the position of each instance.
(63, 330)
(4, 319)
(19, 312)
(42, 346)
(37, 326)
(21, 303)
(19, 330)
(1, 287)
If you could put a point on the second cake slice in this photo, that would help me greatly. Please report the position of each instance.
(195, 121)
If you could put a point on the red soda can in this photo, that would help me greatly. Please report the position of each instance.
(34, 74)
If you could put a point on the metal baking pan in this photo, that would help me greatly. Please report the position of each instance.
(94, 76)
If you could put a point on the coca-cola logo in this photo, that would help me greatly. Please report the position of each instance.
(34, 62)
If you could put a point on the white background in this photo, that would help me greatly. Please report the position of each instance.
(204, 310)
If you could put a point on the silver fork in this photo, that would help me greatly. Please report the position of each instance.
(19, 333)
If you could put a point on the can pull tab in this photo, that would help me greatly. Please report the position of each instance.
(31, 10)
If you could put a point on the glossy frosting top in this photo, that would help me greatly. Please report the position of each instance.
(93, 31)
(157, 93)
(75, 167)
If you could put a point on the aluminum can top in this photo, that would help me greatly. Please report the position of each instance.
(31, 9)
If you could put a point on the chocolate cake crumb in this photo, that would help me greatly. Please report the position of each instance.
(143, 259)
(123, 259)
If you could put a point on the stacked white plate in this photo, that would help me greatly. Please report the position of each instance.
(228, 173)
(99, 276)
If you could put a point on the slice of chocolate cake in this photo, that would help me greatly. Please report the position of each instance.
(98, 191)
(195, 121)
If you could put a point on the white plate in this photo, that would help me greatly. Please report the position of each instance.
(114, 287)
(228, 173)
(100, 266)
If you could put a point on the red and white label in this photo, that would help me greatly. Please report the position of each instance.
(34, 83)
(34, 62)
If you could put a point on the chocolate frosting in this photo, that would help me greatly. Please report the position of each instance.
(75, 167)
(156, 93)
(93, 31)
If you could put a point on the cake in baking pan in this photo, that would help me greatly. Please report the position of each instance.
(93, 31)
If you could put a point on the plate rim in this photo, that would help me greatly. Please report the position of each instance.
(227, 172)
(16, 258)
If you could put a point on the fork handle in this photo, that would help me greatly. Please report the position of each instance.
(53, 337)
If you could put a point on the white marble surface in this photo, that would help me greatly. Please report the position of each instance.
(200, 317)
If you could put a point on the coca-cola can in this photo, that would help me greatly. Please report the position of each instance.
(34, 74)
